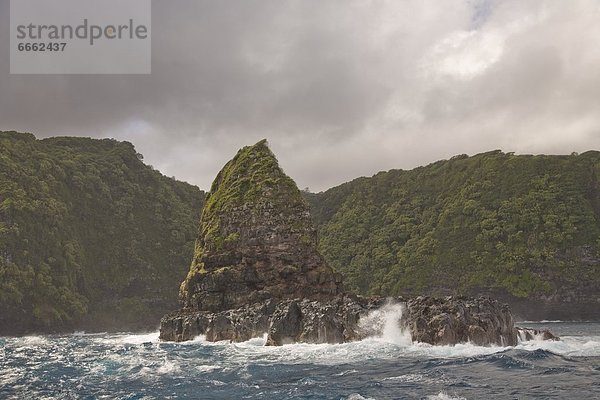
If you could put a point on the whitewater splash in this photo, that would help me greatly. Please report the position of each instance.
(526, 335)
(385, 365)
(387, 339)
(385, 324)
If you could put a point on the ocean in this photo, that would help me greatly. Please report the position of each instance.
(139, 366)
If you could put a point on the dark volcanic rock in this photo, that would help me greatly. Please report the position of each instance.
(450, 320)
(256, 240)
(256, 270)
(285, 321)
(335, 321)
(525, 334)
(438, 321)
(237, 325)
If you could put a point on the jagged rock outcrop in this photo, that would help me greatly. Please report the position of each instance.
(256, 240)
(285, 321)
(437, 321)
(256, 270)
(526, 334)
(450, 320)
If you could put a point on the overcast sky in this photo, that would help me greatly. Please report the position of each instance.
(340, 89)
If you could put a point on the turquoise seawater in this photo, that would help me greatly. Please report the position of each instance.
(134, 366)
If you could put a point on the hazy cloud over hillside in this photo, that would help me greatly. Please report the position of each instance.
(340, 88)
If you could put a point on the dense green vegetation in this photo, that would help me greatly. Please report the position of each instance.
(251, 180)
(90, 237)
(253, 176)
(528, 226)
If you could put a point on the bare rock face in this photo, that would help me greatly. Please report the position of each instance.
(306, 321)
(451, 320)
(236, 325)
(437, 321)
(286, 321)
(256, 240)
(256, 270)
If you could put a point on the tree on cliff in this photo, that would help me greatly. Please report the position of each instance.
(90, 237)
(528, 226)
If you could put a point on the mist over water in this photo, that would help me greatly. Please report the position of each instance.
(384, 366)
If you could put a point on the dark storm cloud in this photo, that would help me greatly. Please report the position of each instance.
(340, 88)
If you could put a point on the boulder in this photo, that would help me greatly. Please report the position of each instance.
(527, 334)
(451, 320)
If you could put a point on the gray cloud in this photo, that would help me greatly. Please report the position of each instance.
(340, 88)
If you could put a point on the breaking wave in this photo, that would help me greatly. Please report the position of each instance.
(385, 365)
(384, 324)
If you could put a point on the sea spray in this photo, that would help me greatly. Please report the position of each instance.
(385, 324)
(111, 366)
(444, 396)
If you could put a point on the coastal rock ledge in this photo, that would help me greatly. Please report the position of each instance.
(256, 270)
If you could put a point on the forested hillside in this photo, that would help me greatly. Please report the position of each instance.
(524, 228)
(90, 236)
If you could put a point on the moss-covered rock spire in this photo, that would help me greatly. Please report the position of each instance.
(256, 239)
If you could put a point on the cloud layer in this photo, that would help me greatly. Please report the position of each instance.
(340, 88)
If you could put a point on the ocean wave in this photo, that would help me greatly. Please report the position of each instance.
(444, 396)
(34, 340)
(572, 346)
(126, 365)
(151, 337)
(379, 348)
(544, 321)
(408, 378)
(356, 396)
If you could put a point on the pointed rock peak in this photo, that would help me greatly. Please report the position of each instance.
(252, 177)
(256, 239)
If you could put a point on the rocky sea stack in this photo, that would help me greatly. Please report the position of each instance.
(256, 240)
(256, 269)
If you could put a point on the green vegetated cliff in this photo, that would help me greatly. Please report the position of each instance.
(524, 228)
(90, 236)
(256, 240)
(252, 179)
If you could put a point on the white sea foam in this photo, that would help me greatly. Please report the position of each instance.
(384, 325)
(572, 346)
(168, 367)
(380, 348)
(356, 396)
(34, 340)
(444, 396)
(543, 321)
(408, 378)
(254, 342)
(522, 336)
(125, 355)
(206, 368)
(194, 341)
(389, 342)
(151, 337)
(346, 372)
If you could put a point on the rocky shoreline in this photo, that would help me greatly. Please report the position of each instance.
(256, 270)
(437, 321)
